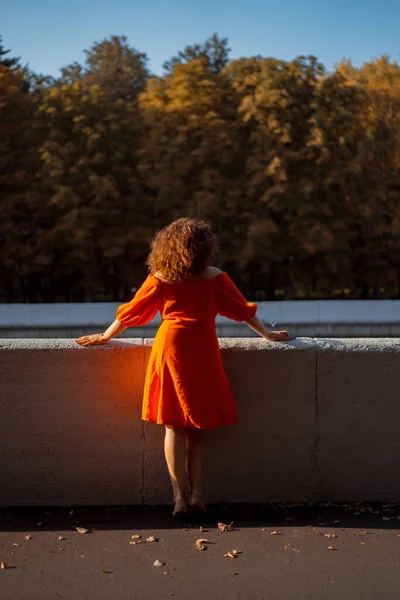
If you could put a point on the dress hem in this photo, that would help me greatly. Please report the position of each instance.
(194, 426)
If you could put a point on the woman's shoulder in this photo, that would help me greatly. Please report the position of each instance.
(211, 272)
(208, 273)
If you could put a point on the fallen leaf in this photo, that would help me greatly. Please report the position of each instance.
(236, 552)
(224, 527)
(15, 544)
(105, 572)
(332, 548)
(229, 555)
(4, 565)
(60, 537)
(202, 541)
(290, 547)
(137, 542)
(82, 530)
(330, 535)
(202, 530)
(136, 537)
(28, 537)
(200, 547)
(157, 563)
(275, 533)
(151, 538)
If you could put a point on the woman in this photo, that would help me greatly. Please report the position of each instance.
(186, 388)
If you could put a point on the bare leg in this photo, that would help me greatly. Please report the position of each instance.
(193, 463)
(174, 447)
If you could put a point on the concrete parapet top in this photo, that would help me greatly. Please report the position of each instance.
(375, 345)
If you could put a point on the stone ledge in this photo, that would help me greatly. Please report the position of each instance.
(318, 420)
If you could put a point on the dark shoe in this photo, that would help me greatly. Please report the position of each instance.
(180, 509)
(197, 505)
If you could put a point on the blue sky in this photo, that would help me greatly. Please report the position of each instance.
(49, 34)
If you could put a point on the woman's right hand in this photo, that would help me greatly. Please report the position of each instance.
(279, 336)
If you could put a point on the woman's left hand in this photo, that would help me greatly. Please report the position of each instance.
(91, 340)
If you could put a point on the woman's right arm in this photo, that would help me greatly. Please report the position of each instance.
(274, 336)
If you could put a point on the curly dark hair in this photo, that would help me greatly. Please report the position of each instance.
(183, 248)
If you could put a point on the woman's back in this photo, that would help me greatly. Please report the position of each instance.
(193, 300)
(197, 299)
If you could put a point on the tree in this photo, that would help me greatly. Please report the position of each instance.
(372, 196)
(214, 51)
(19, 194)
(191, 154)
(89, 164)
(9, 63)
(120, 70)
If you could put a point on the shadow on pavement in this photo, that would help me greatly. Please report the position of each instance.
(366, 515)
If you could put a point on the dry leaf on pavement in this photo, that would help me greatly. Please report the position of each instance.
(4, 565)
(330, 535)
(82, 530)
(332, 548)
(151, 538)
(157, 563)
(290, 547)
(200, 544)
(236, 552)
(230, 555)
(60, 537)
(224, 527)
(28, 537)
(15, 544)
(136, 537)
(275, 533)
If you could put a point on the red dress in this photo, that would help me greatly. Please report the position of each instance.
(185, 380)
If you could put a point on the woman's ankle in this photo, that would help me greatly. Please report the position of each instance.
(179, 498)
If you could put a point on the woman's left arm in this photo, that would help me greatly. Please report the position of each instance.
(99, 339)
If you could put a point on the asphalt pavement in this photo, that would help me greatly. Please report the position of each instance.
(271, 552)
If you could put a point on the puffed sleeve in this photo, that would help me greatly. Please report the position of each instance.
(144, 305)
(231, 303)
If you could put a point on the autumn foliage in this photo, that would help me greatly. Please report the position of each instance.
(297, 170)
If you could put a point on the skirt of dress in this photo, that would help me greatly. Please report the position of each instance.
(186, 384)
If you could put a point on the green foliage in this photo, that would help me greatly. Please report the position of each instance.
(296, 169)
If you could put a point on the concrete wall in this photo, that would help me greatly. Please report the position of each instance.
(316, 318)
(318, 420)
